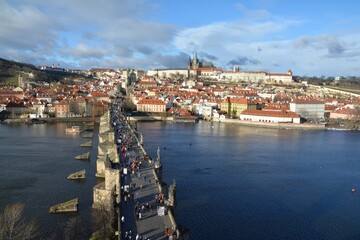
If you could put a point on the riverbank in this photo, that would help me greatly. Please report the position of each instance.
(52, 120)
(299, 126)
(295, 126)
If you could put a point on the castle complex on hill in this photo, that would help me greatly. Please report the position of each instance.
(202, 69)
(195, 63)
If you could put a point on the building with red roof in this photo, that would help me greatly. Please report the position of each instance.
(235, 106)
(151, 105)
(269, 116)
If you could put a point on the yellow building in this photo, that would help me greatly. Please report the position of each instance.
(235, 106)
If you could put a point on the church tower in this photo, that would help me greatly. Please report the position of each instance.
(195, 62)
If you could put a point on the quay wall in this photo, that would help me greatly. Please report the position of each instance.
(300, 126)
(162, 118)
(150, 118)
(54, 120)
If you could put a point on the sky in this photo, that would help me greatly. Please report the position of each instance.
(310, 37)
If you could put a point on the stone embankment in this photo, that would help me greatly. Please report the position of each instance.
(69, 206)
(300, 126)
(53, 120)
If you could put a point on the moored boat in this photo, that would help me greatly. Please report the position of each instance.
(73, 129)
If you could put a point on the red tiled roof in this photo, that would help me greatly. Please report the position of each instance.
(151, 101)
(306, 101)
(237, 100)
(147, 83)
(99, 94)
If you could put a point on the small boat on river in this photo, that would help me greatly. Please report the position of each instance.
(73, 129)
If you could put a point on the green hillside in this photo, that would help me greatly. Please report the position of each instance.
(10, 70)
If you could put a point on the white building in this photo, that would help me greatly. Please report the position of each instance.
(242, 76)
(168, 72)
(309, 109)
(207, 112)
(2, 107)
(269, 116)
(280, 77)
(249, 76)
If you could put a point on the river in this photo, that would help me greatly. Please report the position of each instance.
(233, 182)
(236, 182)
(35, 161)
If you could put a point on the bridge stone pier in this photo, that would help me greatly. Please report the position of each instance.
(107, 192)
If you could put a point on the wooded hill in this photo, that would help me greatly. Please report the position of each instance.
(10, 70)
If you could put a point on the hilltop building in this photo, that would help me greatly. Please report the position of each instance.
(52, 68)
(169, 72)
(253, 76)
(196, 63)
(199, 68)
(196, 68)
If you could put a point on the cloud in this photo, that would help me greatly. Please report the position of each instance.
(220, 33)
(243, 61)
(172, 61)
(84, 51)
(25, 28)
(302, 42)
(90, 29)
(130, 33)
(257, 13)
(207, 56)
(329, 46)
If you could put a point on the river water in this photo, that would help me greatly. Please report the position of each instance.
(35, 161)
(236, 182)
(233, 182)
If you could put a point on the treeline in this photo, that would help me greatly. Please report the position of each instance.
(341, 81)
(14, 225)
(10, 70)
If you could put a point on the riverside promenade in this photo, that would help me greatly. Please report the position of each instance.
(141, 191)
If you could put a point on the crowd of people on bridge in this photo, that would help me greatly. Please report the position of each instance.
(132, 160)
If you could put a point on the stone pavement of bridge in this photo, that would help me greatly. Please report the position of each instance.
(150, 226)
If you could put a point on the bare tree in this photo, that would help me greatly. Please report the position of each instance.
(73, 229)
(14, 225)
(355, 118)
